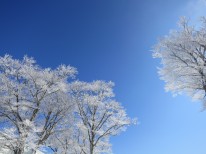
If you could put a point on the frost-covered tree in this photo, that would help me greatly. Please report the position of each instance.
(183, 58)
(41, 110)
(97, 117)
(34, 103)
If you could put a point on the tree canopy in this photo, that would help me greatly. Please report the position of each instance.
(41, 109)
(183, 58)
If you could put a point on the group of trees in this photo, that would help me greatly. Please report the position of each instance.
(47, 109)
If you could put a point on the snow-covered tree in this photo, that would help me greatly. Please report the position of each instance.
(183, 56)
(97, 117)
(34, 103)
(41, 110)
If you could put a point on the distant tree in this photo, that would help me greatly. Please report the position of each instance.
(183, 58)
(34, 103)
(97, 117)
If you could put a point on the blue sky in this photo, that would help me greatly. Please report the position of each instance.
(112, 40)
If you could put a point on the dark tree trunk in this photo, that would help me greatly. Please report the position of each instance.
(18, 151)
(91, 149)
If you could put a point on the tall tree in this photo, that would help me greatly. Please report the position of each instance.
(33, 103)
(183, 58)
(98, 117)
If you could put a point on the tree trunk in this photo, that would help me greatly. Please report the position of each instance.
(91, 149)
(18, 151)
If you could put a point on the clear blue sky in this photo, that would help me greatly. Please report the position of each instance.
(111, 40)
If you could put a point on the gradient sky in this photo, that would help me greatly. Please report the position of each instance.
(112, 40)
